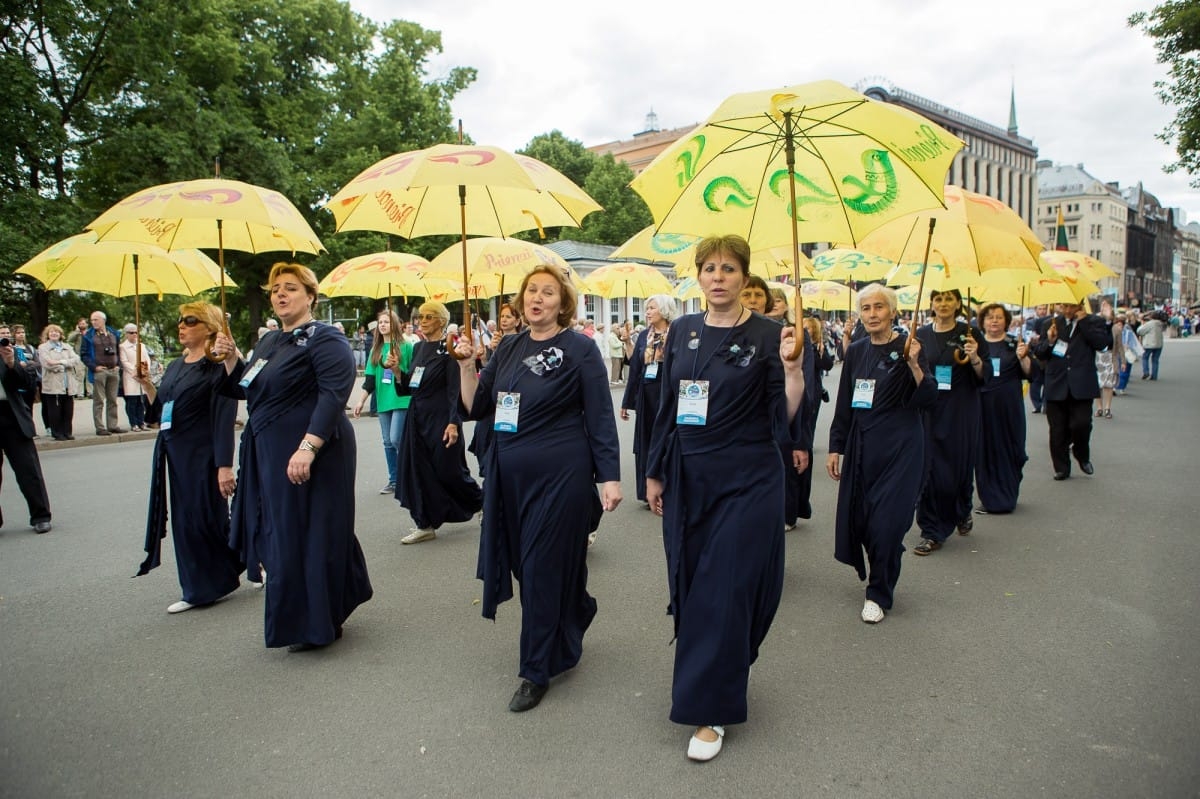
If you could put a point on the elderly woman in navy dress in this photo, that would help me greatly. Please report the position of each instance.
(877, 448)
(951, 423)
(192, 467)
(1002, 456)
(435, 484)
(294, 507)
(554, 439)
(715, 475)
(644, 389)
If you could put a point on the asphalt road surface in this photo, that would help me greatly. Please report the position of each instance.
(1052, 653)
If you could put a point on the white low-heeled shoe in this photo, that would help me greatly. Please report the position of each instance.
(703, 751)
(179, 607)
(871, 612)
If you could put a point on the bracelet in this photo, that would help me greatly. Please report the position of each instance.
(308, 446)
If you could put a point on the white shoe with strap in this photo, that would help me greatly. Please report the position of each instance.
(702, 751)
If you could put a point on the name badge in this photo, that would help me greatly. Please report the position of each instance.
(168, 408)
(1060, 349)
(415, 380)
(864, 394)
(651, 372)
(508, 407)
(693, 403)
(387, 378)
(995, 367)
(252, 373)
(943, 374)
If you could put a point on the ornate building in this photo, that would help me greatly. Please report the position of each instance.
(1095, 214)
(1150, 252)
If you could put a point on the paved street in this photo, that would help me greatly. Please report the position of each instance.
(1052, 653)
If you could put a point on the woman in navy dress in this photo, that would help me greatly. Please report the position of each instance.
(1002, 457)
(877, 448)
(435, 484)
(951, 424)
(554, 440)
(715, 475)
(509, 325)
(644, 389)
(192, 467)
(804, 428)
(294, 508)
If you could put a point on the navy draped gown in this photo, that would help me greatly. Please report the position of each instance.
(540, 497)
(435, 484)
(798, 492)
(643, 393)
(952, 429)
(190, 447)
(303, 534)
(723, 505)
(1002, 455)
(883, 454)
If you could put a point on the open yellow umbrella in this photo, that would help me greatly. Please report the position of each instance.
(210, 213)
(459, 188)
(688, 289)
(628, 279)
(672, 248)
(123, 269)
(1076, 264)
(849, 265)
(812, 162)
(383, 274)
(828, 295)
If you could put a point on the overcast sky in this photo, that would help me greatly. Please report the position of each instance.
(1084, 79)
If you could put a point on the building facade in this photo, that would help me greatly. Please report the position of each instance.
(1095, 214)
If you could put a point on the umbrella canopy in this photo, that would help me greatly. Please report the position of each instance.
(495, 265)
(626, 280)
(416, 193)
(211, 213)
(688, 289)
(672, 248)
(383, 274)
(1041, 290)
(828, 295)
(122, 268)
(1076, 264)
(846, 265)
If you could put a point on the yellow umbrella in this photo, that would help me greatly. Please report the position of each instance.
(383, 274)
(672, 248)
(812, 162)
(1042, 290)
(907, 298)
(210, 213)
(847, 265)
(626, 280)
(1077, 264)
(123, 269)
(827, 295)
(463, 189)
(688, 289)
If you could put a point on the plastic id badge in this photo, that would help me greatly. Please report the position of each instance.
(508, 407)
(415, 380)
(1060, 349)
(693, 403)
(388, 377)
(995, 367)
(651, 372)
(252, 373)
(943, 374)
(164, 421)
(864, 394)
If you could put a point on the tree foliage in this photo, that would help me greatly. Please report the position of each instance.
(1175, 28)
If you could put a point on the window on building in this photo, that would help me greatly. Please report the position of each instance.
(589, 306)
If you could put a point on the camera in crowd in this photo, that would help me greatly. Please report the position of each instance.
(4, 342)
(109, 350)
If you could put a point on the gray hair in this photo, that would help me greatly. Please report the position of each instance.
(888, 293)
(668, 309)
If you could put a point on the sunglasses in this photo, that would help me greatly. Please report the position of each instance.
(188, 321)
(426, 316)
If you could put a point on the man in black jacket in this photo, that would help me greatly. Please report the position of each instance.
(17, 432)
(1067, 350)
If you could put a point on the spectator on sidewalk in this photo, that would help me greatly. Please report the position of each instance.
(17, 433)
(135, 363)
(75, 339)
(100, 355)
(59, 384)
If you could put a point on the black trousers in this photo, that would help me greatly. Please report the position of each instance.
(23, 458)
(58, 414)
(1070, 431)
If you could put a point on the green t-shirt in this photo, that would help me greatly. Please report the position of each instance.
(385, 393)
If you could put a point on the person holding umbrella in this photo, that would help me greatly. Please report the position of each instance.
(715, 475)
(643, 392)
(194, 448)
(951, 423)
(554, 440)
(294, 508)
(433, 481)
(877, 447)
(1002, 457)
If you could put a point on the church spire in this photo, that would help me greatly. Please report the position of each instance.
(1012, 111)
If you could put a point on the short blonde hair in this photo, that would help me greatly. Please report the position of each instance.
(50, 328)
(887, 292)
(306, 276)
(437, 309)
(568, 299)
(207, 313)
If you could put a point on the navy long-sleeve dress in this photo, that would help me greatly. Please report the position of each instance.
(1002, 455)
(435, 484)
(804, 429)
(643, 393)
(952, 429)
(303, 534)
(540, 497)
(883, 449)
(723, 501)
(194, 440)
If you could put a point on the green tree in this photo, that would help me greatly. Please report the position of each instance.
(1175, 28)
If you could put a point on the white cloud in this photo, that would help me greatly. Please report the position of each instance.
(1084, 80)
